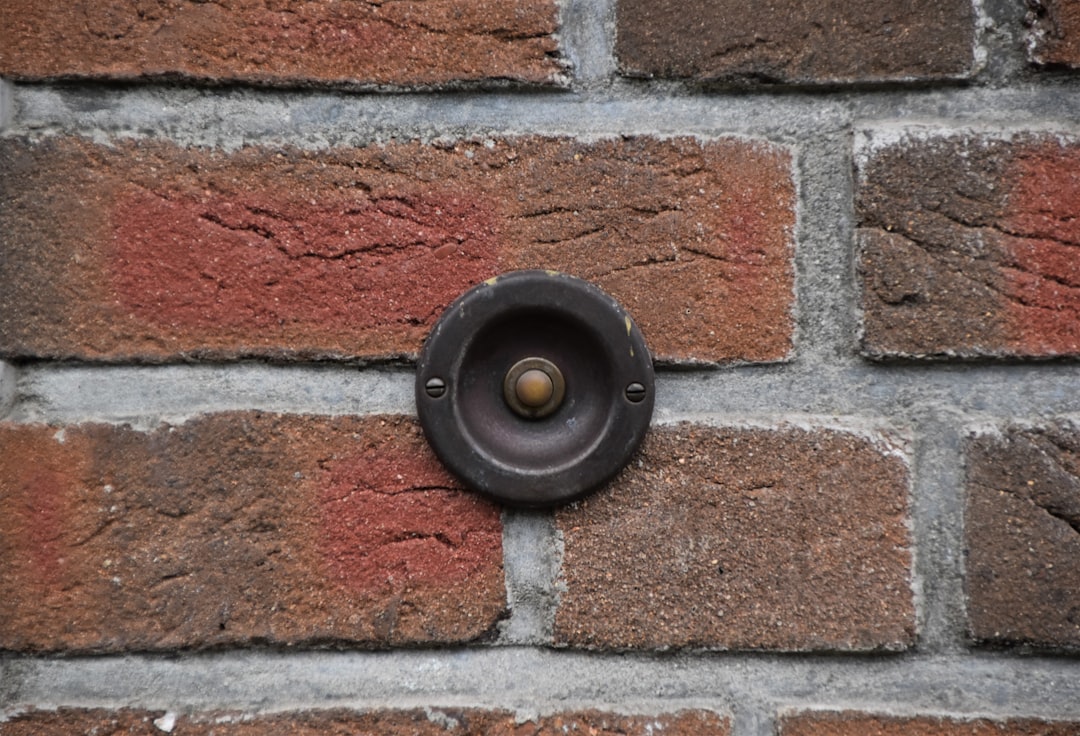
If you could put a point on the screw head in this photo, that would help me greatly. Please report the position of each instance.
(435, 387)
(635, 392)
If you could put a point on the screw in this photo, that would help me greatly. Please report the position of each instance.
(435, 387)
(635, 392)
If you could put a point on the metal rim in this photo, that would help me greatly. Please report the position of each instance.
(578, 442)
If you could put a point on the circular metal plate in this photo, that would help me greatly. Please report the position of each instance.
(499, 450)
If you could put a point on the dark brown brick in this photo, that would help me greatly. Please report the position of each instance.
(685, 723)
(429, 722)
(239, 529)
(784, 539)
(795, 42)
(967, 245)
(145, 251)
(1023, 536)
(435, 42)
(1055, 32)
(863, 724)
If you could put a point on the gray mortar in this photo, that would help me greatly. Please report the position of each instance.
(316, 119)
(587, 41)
(144, 396)
(531, 560)
(937, 515)
(825, 382)
(1004, 41)
(6, 106)
(8, 382)
(825, 274)
(535, 680)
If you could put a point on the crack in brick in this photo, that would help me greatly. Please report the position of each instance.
(651, 263)
(98, 531)
(1049, 510)
(1072, 521)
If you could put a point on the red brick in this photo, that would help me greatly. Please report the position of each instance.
(967, 246)
(236, 529)
(791, 41)
(146, 251)
(863, 724)
(429, 722)
(783, 539)
(1023, 536)
(1055, 32)
(435, 42)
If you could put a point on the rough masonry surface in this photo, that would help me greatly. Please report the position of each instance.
(146, 251)
(1023, 536)
(865, 724)
(790, 41)
(392, 42)
(727, 538)
(851, 227)
(427, 722)
(968, 244)
(1055, 37)
(239, 529)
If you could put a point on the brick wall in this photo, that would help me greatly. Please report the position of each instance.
(849, 233)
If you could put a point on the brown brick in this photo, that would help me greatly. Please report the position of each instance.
(863, 724)
(783, 539)
(1023, 536)
(435, 42)
(429, 722)
(685, 723)
(796, 42)
(1055, 32)
(967, 245)
(238, 529)
(145, 251)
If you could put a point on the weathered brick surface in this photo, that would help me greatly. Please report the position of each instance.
(1055, 32)
(428, 722)
(968, 245)
(782, 539)
(1023, 536)
(398, 42)
(146, 251)
(791, 41)
(863, 724)
(239, 529)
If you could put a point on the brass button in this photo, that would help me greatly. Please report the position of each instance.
(534, 388)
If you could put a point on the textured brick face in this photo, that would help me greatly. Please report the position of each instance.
(1055, 32)
(146, 251)
(385, 723)
(742, 539)
(433, 42)
(792, 41)
(237, 529)
(861, 724)
(1023, 536)
(968, 246)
